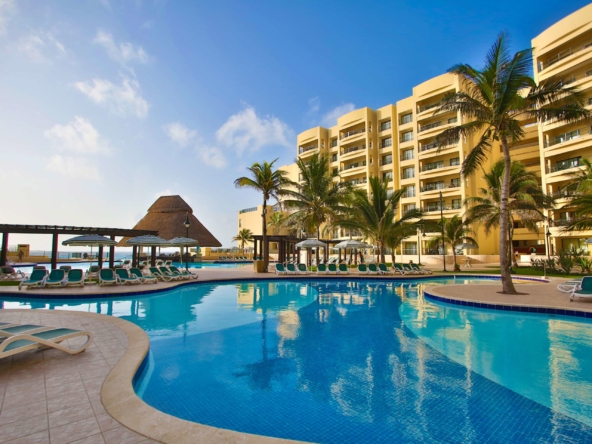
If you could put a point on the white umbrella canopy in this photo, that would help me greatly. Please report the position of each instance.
(310, 243)
(351, 243)
(148, 241)
(467, 246)
(589, 240)
(184, 242)
(89, 240)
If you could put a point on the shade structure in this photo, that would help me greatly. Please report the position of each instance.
(310, 243)
(184, 242)
(168, 215)
(351, 244)
(467, 246)
(148, 241)
(89, 240)
(589, 240)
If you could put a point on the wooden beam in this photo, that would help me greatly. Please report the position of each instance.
(112, 254)
(4, 251)
(134, 256)
(100, 261)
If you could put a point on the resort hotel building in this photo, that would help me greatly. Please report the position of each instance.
(398, 142)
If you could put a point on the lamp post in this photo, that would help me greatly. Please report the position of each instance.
(419, 230)
(548, 234)
(187, 225)
(442, 222)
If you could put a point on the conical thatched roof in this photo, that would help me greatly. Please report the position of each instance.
(167, 216)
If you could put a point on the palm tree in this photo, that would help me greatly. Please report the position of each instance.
(317, 200)
(456, 231)
(272, 184)
(493, 102)
(374, 215)
(580, 197)
(244, 236)
(526, 200)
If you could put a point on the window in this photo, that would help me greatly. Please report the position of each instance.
(334, 158)
(454, 183)
(387, 160)
(333, 143)
(433, 165)
(407, 136)
(387, 141)
(239, 223)
(407, 155)
(408, 207)
(385, 125)
(456, 204)
(409, 173)
(406, 118)
(387, 176)
(409, 191)
(410, 248)
(335, 171)
(455, 161)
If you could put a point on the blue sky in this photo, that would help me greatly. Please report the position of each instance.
(107, 104)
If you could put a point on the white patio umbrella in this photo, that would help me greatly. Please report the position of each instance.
(89, 240)
(589, 240)
(467, 246)
(310, 243)
(148, 240)
(184, 242)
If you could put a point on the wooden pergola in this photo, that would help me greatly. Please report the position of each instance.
(287, 246)
(56, 230)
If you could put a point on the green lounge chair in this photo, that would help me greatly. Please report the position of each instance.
(92, 272)
(44, 339)
(343, 269)
(9, 330)
(55, 278)
(372, 269)
(302, 269)
(168, 263)
(184, 273)
(66, 268)
(321, 268)
(166, 272)
(332, 268)
(397, 268)
(125, 278)
(157, 274)
(143, 278)
(382, 269)
(362, 269)
(280, 269)
(106, 276)
(291, 269)
(74, 277)
(569, 286)
(408, 269)
(584, 290)
(11, 273)
(421, 270)
(37, 279)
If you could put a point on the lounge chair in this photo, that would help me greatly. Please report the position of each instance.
(569, 286)
(280, 269)
(92, 272)
(409, 270)
(185, 273)
(420, 270)
(168, 263)
(166, 272)
(382, 269)
(55, 278)
(362, 269)
(397, 268)
(584, 290)
(126, 263)
(11, 273)
(343, 269)
(74, 277)
(39, 267)
(291, 269)
(321, 268)
(37, 279)
(372, 269)
(302, 269)
(125, 278)
(159, 263)
(43, 339)
(332, 268)
(106, 276)
(157, 274)
(143, 278)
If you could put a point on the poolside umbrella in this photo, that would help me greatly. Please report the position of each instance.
(184, 242)
(467, 246)
(148, 241)
(589, 241)
(89, 240)
(310, 243)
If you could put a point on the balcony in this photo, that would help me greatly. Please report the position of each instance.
(352, 166)
(421, 109)
(440, 164)
(354, 182)
(454, 183)
(352, 149)
(248, 210)
(566, 137)
(436, 208)
(564, 165)
(407, 155)
(564, 194)
(430, 126)
(304, 149)
(387, 161)
(563, 55)
(352, 133)
(385, 126)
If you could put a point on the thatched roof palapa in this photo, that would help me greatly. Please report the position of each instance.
(167, 216)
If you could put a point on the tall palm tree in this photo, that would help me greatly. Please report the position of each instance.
(526, 200)
(493, 101)
(456, 231)
(374, 215)
(580, 197)
(317, 200)
(272, 184)
(244, 236)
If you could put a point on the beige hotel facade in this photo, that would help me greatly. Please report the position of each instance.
(398, 142)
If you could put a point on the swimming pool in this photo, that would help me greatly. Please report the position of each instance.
(359, 361)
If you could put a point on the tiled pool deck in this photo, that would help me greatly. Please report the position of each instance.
(53, 397)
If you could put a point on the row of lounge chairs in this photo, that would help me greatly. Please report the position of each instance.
(233, 258)
(9, 273)
(581, 288)
(18, 338)
(402, 269)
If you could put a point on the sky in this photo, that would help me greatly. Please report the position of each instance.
(107, 104)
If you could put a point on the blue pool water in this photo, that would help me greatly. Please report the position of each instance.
(360, 361)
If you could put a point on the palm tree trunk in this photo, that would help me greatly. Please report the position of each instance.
(318, 238)
(265, 249)
(507, 284)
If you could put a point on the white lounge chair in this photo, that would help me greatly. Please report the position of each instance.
(52, 338)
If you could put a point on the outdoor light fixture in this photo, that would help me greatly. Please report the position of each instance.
(187, 225)
(442, 222)
(548, 234)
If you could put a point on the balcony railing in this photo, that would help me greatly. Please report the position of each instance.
(409, 192)
(406, 137)
(304, 149)
(562, 55)
(454, 183)
(352, 149)
(421, 109)
(410, 251)
(387, 161)
(351, 166)
(407, 155)
(564, 194)
(352, 133)
(356, 181)
(562, 138)
(432, 166)
(565, 165)
(248, 210)
(385, 125)
(386, 143)
(408, 174)
(430, 126)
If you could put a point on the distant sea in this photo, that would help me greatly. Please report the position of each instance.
(70, 255)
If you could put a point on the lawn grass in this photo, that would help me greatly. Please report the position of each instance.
(9, 283)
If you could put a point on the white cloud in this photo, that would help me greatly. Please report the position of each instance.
(38, 46)
(122, 52)
(314, 105)
(245, 131)
(212, 156)
(78, 136)
(73, 167)
(124, 99)
(147, 24)
(179, 133)
(330, 118)
(7, 10)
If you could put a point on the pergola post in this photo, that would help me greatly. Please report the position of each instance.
(255, 249)
(112, 254)
(100, 258)
(134, 256)
(153, 256)
(4, 250)
(54, 251)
